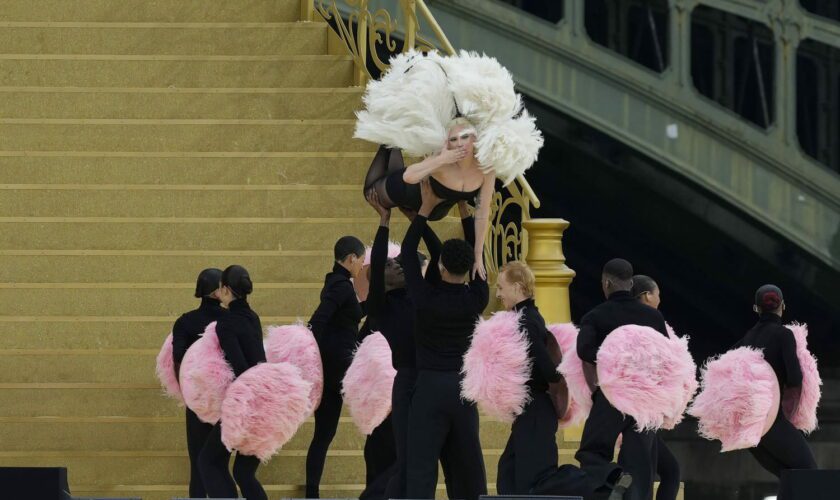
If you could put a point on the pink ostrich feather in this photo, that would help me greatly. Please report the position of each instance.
(205, 376)
(497, 367)
(803, 415)
(263, 408)
(738, 400)
(165, 370)
(644, 374)
(296, 344)
(571, 367)
(368, 383)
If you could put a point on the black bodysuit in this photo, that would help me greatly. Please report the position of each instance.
(408, 195)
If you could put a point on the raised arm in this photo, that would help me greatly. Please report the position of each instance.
(378, 257)
(482, 220)
(416, 172)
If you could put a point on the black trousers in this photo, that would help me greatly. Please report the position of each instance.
(441, 423)
(197, 432)
(336, 360)
(213, 462)
(400, 403)
(783, 447)
(528, 464)
(380, 461)
(668, 470)
(597, 447)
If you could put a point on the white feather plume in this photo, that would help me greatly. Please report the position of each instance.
(509, 147)
(409, 107)
(482, 87)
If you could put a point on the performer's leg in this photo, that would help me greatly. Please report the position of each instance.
(638, 458)
(532, 448)
(428, 427)
(400, 401)
(466, 457)
(213, 463)
(600, 432)
(245, 474)
(506, 470)
(380, 459)
(668, 470)
(326, 424)
(784, 447)
(197, 432)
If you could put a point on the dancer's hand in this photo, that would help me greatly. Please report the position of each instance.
(429, 197)
(373, 200)
(478, 269)
(463, 209)
(448, 156)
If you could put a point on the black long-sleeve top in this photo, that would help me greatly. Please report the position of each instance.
(779, 347)
(543, 369)
(190, 325)
(392, 312)
(620, 309)
(336, 320)
(240, 337)
(445, 313)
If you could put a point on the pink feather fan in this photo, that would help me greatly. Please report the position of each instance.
(497, 367)
(165, 370)
(644, 374)
(263, 409)
(738, 400)
(571, 367)
(803, 415)
(296, 344)
(368, 383)
(205, 376)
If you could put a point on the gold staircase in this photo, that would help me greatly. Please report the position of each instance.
(141, 141)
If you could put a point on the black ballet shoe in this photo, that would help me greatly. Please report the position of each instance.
(620, 487)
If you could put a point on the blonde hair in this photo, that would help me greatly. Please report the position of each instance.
(518, 273)
(459, 122)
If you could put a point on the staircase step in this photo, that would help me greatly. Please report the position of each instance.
(164, 38)
(108, 468)
(160, 103)
(175, 169)
(167, 434)
(91, 332)
(150, 10)
(180, 135)
(85, 400)
(62, 233)
(155, 299)
(182, 201)
(176, 71)
(119, 267)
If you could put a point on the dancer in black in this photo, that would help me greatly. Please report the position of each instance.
(392, 311)
(241, 339)
(445, 315)
(605, 423)
(783, 446)
(188, 327)
(529, 463)
(646, 291)
(335, 324)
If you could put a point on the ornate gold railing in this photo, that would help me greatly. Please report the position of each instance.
(369, 37)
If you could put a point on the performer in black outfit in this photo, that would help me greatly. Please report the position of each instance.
(241, 339)
(783, 446)
(647, 292)
(391, 310)
(335, 324)
(605, 423)
(445, 315)
(529, 463)
(188, 327)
